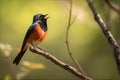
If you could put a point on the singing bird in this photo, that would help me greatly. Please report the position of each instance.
(35, 35)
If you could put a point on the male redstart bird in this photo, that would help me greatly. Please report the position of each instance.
(35, 34)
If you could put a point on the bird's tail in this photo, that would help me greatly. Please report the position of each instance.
(19, 57)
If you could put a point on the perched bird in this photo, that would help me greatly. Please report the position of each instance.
(35, 34)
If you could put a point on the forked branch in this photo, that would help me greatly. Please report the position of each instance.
(67, 39)
(106, 32)
(113, 6)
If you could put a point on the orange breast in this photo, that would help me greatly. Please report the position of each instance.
(37, 35)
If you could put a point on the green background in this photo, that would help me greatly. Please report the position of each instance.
(87, 42)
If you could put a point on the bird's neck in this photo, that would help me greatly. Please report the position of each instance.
(43, 25)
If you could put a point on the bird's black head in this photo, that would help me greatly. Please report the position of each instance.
(40, 17)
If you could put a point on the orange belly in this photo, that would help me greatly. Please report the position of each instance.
(37, 35)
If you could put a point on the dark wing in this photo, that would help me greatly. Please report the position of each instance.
(29, 31)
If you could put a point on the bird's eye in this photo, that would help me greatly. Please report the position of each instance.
(41, 17)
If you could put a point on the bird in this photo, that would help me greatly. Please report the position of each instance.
(35, 34)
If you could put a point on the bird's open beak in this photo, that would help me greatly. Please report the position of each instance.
(45, 16)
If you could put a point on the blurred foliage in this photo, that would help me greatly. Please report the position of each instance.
(32, 65)
(5, 48)
(8, 77)
(87, 41)
(25, 68)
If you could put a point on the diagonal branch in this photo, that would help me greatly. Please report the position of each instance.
(67, 41)
(60, 63)
(106, 32)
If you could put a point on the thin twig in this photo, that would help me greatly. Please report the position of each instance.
(106, 32)
(67, 41)
(60, 63)
(73, 20)
(113, 6)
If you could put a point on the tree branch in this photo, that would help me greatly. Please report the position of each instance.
(60, 63)
(67, 41)
(106, 32)
(113, 6)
